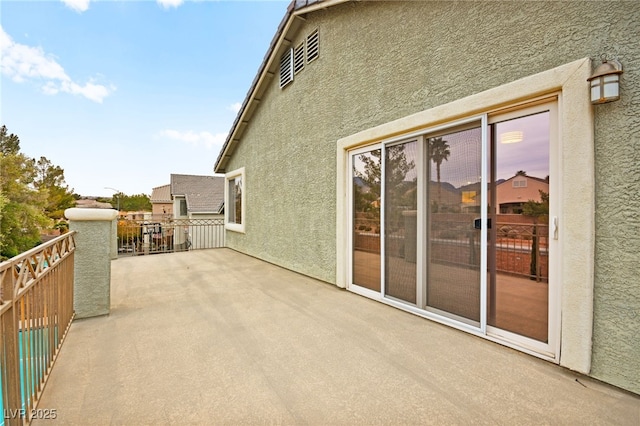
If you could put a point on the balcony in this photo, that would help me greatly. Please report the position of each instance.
(218, 337)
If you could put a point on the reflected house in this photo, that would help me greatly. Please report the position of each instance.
(332, 169)
(514, 192)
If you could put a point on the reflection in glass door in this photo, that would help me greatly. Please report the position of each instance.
(400, 220)
(518, 290)
(423, 208)
(453, 244)
(366, 185)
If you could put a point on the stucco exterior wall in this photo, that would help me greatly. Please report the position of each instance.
(159, 209)
(92, 261)
(383, 61)
(616, 339)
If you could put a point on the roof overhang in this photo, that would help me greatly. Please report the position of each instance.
(288, 28)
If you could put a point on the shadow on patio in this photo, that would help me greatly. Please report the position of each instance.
(217, 337)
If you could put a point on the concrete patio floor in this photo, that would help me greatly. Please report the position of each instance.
(217, 337)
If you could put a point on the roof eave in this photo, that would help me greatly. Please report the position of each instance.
(251, 101)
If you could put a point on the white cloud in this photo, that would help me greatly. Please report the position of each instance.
(235, 107)
(166, 4)
(77, 5)
(206, 139)
(21, 63)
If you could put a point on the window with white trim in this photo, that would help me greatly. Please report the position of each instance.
(234, 210)
(183, 207)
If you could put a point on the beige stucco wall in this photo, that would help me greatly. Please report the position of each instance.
(383, 61)
(159, 209)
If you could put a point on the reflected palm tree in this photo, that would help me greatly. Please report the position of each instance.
(438, 152)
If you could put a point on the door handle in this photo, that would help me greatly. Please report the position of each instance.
(477, 223)
(554, 228)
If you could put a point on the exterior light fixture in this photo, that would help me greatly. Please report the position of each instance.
(605, 82)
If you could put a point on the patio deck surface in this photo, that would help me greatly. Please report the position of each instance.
(217, 337)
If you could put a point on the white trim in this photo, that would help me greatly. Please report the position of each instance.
(421, 227)
(236, 227)
(552, 348)
(484, 217)
(575, 168)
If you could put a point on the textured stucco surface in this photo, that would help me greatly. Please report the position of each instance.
(92, 281)
(616, 340)
(383, 61)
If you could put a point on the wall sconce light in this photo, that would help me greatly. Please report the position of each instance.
(605, 82)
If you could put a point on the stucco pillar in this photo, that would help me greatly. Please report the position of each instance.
(94, 238)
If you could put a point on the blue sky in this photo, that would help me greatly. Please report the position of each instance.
(121, 94)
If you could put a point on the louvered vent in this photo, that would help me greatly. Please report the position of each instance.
(286, 68)
(298, 58)
(312, 46)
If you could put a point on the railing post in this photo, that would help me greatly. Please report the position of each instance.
(92, 262)
(114, 239)
(13, 414)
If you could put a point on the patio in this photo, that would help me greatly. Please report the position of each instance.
(217, 337)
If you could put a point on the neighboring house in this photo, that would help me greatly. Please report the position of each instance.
(197, 197)
(515, 191)
(161, 201)
(351, 89)
(90, 203)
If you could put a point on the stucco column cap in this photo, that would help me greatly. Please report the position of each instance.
(76, 213)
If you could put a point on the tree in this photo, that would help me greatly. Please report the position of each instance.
(438, 152)
(28, 189)
(22, 214)
(131, 203)
(538, 210)
(400, 192)
(367, 197)
(50, 182)
(9, 144)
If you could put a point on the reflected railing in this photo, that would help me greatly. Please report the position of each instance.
(521, 248)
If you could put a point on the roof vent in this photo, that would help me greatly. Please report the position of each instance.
(286, 68)
(312, 46)
(298, 58)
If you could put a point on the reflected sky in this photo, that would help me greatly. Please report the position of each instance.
(531, 154)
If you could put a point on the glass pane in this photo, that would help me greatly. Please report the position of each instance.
(238, 199)
(453, 251)
(400, 220)
(230, 204)
(366, 178)
(518, 263)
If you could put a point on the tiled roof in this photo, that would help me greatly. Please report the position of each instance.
(93, 204)
(204, 194)
(161, 194)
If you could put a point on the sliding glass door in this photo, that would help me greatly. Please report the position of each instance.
(453, 242)
(453, 223)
